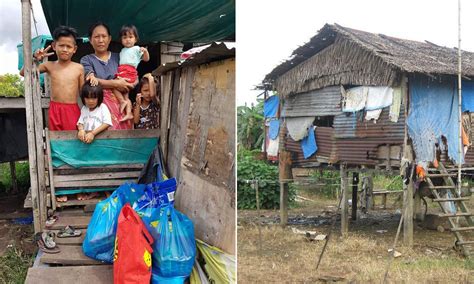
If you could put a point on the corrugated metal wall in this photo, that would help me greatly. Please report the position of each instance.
(322, 102)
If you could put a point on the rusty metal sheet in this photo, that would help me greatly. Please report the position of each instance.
(322, 102)
(326, 148)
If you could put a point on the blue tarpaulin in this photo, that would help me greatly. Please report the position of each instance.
(467, 96)
(308, 144)
(270, 106)
(433, 113)
(102, 152)
(274, 129)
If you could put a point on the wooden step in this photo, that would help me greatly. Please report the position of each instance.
(79, 222)
(70, 274)
(75, 202)
(71, 240)
(451, 199)
(465, 243)
(69, 255)
(441, 175)
(462, 229)
(442, 187)
(459, 214)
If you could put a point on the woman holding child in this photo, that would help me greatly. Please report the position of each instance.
(102, 66)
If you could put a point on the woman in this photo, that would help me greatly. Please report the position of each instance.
(103, 64)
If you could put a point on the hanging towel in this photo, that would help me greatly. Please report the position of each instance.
(298, 126)
(378, 98)
(272, 149)
(308, 144)
(274, 128)
(373, 114)
(395, 107)
(270, 106)
(354, 99)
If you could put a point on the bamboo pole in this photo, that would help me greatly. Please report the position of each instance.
(460, 151)
(30, 128)
(345, 202)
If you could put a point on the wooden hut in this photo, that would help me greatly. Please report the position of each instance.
(315, 81)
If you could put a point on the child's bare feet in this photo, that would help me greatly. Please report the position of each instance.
(123, 105)
(61, 198)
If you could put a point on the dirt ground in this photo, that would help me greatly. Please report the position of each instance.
(279, 255)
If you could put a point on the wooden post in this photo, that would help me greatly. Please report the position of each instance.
(417, 208)
(13, 175)
(355, 185)
(408, 214)
(344, 202)
(285, 175)
(30, 127)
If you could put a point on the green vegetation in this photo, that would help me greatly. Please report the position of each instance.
(11, 85)
(250, 126)
(14, 265)
(394, 183)
(22, 176)
(250, 168)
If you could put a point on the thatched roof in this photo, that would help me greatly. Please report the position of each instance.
(404, 55)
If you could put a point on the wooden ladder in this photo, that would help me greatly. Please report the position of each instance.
(448, 187)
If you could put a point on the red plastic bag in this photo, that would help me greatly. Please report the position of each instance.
(132, 255)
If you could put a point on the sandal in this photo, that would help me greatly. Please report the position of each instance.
(45, 242)
(68, 232)
(51, 220)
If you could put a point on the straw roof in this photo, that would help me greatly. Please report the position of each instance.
(398, 54)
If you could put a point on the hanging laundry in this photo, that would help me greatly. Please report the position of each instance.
(274, 128)
(272, 149)
(373, 114)
(298, 126)
(396, 102)
(467, 96)
(308, 144)
(270, 106)
(378, 98)
(354, 99)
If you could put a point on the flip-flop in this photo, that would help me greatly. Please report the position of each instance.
(68, 232)
(51, 220)
(45, 244)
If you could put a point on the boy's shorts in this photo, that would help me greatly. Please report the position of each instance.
(63, 116)
(128, 72)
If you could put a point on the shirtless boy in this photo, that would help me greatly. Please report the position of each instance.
(67, 78)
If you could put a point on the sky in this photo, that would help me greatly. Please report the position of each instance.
(268, 31)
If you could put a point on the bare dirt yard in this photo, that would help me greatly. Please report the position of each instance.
(279, 255)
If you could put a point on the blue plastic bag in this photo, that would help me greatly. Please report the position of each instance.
(100, 236)
(175, 244)
(157, 279)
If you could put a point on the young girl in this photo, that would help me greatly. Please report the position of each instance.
(95, 116)
(146, 110)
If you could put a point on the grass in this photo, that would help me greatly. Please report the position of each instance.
(22, 176)
(14, 265)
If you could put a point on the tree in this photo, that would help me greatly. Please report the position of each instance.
(11, 85)
(250, 123)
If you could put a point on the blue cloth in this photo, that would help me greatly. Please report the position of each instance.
(274, 129)
(102, 69)
(433, 113)
(467, 96)
(308, 144)
(270, 106)
(131, 56)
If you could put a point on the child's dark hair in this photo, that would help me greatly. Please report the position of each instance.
(89, 91)
(97, 24)
(63, 31)
(129, 29)
(144, 80)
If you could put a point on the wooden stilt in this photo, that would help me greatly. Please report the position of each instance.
(344, 203)
(355, 185)
(417, 208)
(285, 174)
(408, 214)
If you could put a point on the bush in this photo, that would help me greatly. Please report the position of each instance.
(22, 176)
(331, 178)
(250, 168)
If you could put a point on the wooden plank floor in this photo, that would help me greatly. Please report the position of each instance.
(69, 255)
(79, 222)
(70, 274)
(70, 241)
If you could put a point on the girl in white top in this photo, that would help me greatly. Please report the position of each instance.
(95, 116)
